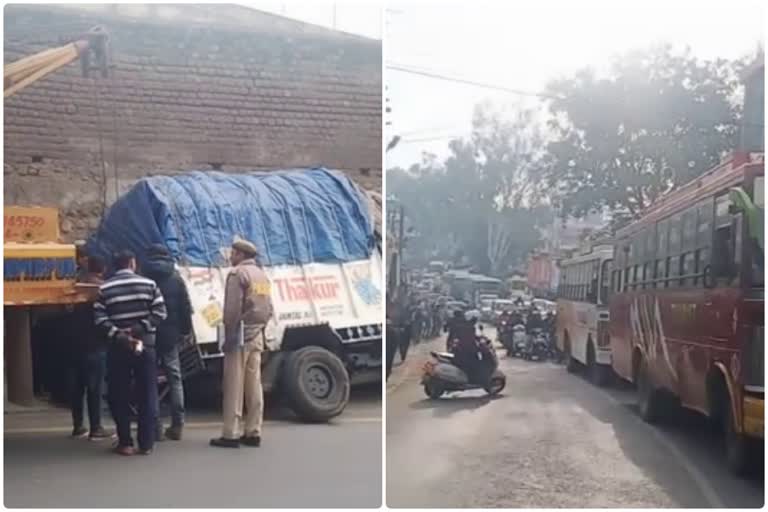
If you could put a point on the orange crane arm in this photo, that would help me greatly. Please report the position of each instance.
(28, 70)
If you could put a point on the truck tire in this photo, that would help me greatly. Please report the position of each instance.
(316, 384)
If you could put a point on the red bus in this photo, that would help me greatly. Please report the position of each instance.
(686, 309)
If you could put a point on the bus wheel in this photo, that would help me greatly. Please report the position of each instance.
(649, 398)
(737, 449)
(570, 363)
(598, 373)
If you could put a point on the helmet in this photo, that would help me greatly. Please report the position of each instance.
(472, 315)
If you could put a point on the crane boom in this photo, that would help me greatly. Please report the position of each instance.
(26, 71)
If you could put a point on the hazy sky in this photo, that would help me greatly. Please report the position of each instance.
(361, 18)
(524, 44)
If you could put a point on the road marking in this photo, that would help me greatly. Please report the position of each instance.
(193, 425)
(698, 477)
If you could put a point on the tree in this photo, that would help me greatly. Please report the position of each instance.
(477, 203)
(657, 120)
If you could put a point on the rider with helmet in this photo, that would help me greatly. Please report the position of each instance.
(470, 355)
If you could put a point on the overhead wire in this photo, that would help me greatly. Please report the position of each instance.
(444, 77)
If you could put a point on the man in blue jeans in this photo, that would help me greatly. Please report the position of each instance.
(178, 325)
(89, 361)
(129, 308)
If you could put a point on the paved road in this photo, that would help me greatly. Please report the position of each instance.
(298, 466)
(551, 440)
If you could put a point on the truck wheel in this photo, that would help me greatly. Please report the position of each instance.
(316, 384)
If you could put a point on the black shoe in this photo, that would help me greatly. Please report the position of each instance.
(173, 433)
(101, 434)
(148, 451)
(79, 432)
(222, 442)
(252, 441)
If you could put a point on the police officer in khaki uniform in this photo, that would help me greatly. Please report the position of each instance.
(247, 309)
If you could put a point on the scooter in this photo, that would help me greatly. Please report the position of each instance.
(441, 375)
(504, 333)
(519, 342)
(538, 348)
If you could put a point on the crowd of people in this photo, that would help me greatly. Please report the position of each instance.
(136, 326)
(427, 317)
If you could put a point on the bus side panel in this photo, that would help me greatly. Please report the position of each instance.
(621, 336)
(573, 318)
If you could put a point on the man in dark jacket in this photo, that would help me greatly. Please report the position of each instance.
(88, 351)
(177, 325)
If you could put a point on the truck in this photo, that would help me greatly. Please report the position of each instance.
(39, 275)
(317, 239)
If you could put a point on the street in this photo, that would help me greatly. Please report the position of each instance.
(551, 439)
(298, 465)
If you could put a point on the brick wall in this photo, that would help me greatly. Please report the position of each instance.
(262, 93)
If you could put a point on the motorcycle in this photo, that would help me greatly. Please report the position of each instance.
(504, 332)
(518, 345)
(538, 348)
(441, 375)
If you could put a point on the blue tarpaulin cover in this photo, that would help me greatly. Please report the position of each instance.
(293, 217)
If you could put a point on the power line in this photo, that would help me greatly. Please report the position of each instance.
(439, 76)
(429, 139)
(431, 74)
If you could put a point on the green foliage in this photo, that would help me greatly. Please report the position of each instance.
(478, 205)
(658, 120)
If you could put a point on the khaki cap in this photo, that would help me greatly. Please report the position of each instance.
(245, 246)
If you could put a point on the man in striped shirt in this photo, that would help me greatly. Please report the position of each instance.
(129, 308)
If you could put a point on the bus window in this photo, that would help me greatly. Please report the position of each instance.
(650, 243)
(593, 274)
(722, 263)
(659, 274)
(675, 231)
(675, 265)
(702, 261)
(605, 282)
(704, 223)
(662, 238)
(725, 251)
(689, 229)
(687, 269)
(648, 275)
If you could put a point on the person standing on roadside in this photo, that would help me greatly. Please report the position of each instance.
(129, 308)
(89, 361)
(81, 259)
(177, 325)
(247, 309)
